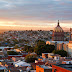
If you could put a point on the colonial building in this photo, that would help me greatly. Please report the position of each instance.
(70, 43)
(58, 38)
(58, 33)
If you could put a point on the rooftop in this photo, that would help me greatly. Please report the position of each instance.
(45, 67)
(45, 53)
(55, 55)
(65, 42)
(65, 66)
(5, 47)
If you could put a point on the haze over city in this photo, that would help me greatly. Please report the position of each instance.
(35, 14)
(35, 35)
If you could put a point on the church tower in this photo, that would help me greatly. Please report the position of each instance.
(58, 33)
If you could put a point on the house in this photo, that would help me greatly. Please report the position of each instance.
(66, 62)
(36, 63)
(43, 68)
(44, 55)
(17, 69)
(54, 56)
(20, 64)
(62, 68)
(18, 58)
(2, 68)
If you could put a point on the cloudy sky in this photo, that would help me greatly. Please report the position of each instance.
(35, 14)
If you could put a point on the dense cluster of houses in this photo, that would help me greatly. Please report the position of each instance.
(47, 62)
(10, 38)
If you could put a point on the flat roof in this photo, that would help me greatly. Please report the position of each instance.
(55, 55)
(44, 53)
(5, 47)
(65, 66)
(45, 67)
(65, 42)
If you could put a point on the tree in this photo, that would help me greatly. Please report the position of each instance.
(44, 49)
(28, 48)
(60, 52)
(40, 42)
(30, 58)
(16, 46)
(38, 46)
(41, 47)
(15, 41)
(49, 48)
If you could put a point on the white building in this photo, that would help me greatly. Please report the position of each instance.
(20, 64)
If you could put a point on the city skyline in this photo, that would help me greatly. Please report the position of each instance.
(35, 14)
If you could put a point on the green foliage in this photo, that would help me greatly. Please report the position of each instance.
(39, 48)
(50, 37)
(0, 49)
(40, 42)
(12, 53)
(60, 52)
(15, 41)
(44, 49)
(1, 70)
(49, 48)
(23, 40)
(30, 58)
(28, 48)
(16, 46)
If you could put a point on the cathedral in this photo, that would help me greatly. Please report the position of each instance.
(58, 38)
(58, 33)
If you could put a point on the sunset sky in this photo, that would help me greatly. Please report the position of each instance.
(35, 14)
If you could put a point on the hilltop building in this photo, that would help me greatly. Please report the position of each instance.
(58, 33)
(58, 38)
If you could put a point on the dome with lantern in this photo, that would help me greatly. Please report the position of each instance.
(58, 28)
(58, 33)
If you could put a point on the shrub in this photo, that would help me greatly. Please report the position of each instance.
(30, 58)
(60, 52)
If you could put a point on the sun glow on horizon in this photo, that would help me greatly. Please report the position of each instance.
(35, 25)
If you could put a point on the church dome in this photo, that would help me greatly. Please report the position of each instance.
(58, 28)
